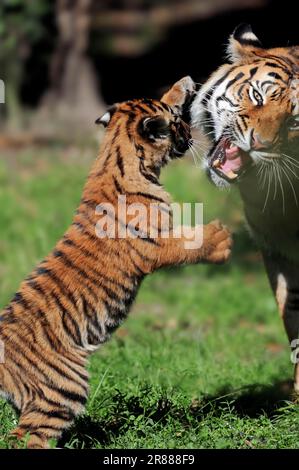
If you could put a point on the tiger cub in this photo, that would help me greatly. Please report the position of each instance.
(83, 290)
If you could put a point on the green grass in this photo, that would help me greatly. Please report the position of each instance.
(202, 361)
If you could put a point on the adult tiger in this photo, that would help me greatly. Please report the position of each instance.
(250, 110)
(83, 290)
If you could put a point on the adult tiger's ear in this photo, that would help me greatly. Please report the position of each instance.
(152, 128)
(180, 94)
(105, 118)
(243, 44)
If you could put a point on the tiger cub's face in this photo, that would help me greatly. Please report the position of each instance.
(250, 109)
(155, 128)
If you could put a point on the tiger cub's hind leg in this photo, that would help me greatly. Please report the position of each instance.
(42, 421)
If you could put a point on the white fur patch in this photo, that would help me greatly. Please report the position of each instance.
(249, 36)
(296, 384)
(105, 119)
(295, 95)
(281, 293)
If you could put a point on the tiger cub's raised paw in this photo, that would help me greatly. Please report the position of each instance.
(217, 242)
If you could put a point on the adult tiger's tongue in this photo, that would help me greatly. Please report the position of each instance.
(226, 158)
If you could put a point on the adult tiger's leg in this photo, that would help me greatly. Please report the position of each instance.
(284, 280)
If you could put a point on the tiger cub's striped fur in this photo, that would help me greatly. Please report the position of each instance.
(83, 290)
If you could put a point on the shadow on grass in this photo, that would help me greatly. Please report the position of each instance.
(250, 401)
(125, 412)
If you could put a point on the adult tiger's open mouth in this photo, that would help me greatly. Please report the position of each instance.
(227, 160)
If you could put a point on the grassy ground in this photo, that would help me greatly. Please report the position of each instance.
(202, 362)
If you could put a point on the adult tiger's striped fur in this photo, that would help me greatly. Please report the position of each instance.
(82, 291)
(250, 108)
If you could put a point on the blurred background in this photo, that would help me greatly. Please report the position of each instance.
(203, 360)
(63, 60)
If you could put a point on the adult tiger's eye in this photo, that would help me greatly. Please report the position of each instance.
(258, 97)
(293, 122)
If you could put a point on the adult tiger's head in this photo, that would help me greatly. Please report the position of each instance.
(250, 109)
(155, 129)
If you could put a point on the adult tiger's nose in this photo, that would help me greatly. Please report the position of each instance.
(259, 143)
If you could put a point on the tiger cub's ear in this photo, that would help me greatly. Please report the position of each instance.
(105, 118)
(180, 94)
(242, 44)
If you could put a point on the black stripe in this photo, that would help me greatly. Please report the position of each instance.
(279, 66)
(67, 394)
(239, 128)
(19, 299)
(130, 120)
(89, 202)
(141, 255)
(117, 185)
(216, 84)
(234, 80)
(75, 333)
(14, 361)
(276, 76)
(93, 257)
(36, 353)
(36, 287)
(55, 367)
(147, 175)
(227, 100)
(64, 414)
(17, 386)
(107, 197)
(252, 72)
(267, 82)
(127, 112)
(99, 274)
(46, 329)
(119, 161)
(44, 321)
(61, 286)
(140, 149)
(166, 106)
(111, 294)
(116, 134)
(240, 90)
(148, 196)
(93, 318)
(244, 121)
(83, 273)
(141, 108)
(149, 103)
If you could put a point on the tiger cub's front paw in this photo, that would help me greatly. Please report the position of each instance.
(217, 242)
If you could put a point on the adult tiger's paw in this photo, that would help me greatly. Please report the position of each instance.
(217, 242)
